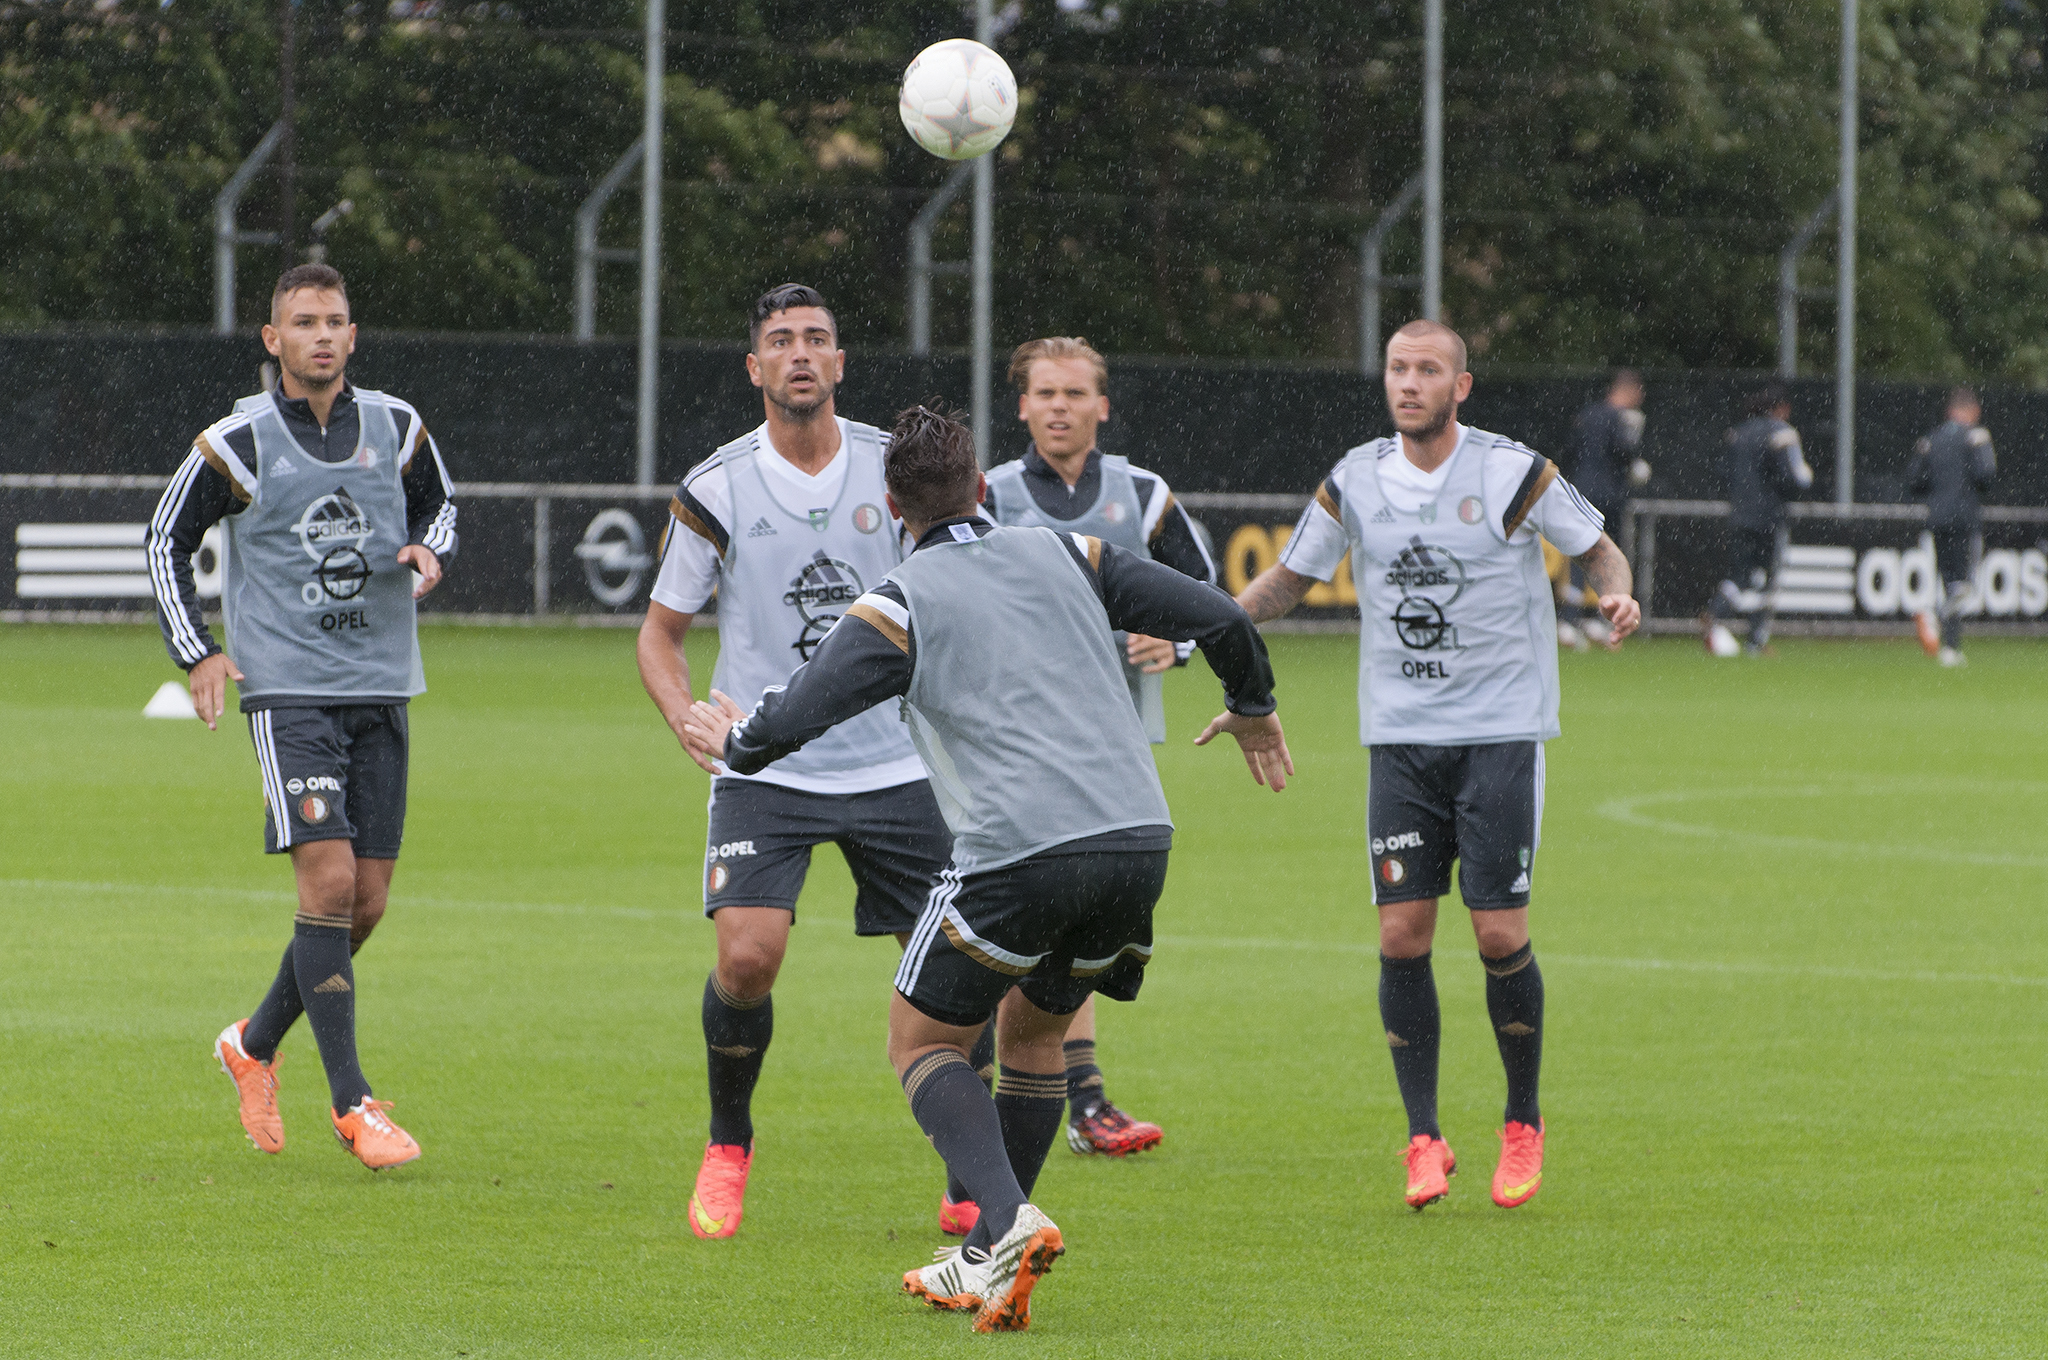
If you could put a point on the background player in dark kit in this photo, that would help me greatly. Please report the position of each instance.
(1953, 466)
(1766, 467)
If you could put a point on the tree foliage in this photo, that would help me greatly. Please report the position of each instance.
(1187, 176)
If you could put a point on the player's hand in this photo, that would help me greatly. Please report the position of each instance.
(423, 561)
(210, 687)
(1623, 617)
(1150, 654)
(706, 726)
(1263, 743)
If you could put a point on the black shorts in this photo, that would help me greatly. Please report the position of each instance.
(1059, 925)
(1752, 557)
(758, 849)
(1956, 551)
(1479, 805)
(333, 774)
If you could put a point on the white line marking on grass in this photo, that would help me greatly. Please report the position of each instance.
(1629, 812)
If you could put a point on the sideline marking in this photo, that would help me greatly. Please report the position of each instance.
(1824, 971)
(1629, 812)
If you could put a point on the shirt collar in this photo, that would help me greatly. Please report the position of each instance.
(303, 409)
(1036, 466)
(942, 530)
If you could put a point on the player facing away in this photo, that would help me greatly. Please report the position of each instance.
(1603, 463)
(1060, 827)
(1952, 467)
(1457, 692)
(787, 525)
(1064, 482)
(1766, 467)
(338, 517)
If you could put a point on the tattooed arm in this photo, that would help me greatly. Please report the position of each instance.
(1278, 590)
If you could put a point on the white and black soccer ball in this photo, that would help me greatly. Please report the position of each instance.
(959, 99)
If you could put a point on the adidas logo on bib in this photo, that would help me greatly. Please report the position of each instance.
(282, 467)
(762, 528)
(1385, 515)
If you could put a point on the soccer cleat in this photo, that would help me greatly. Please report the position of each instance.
(256, 1084)
(1951, 658)
(1016, 1264)
(951, 1281)
(1929, 629)
(1431, 1164)
(1109, 1131)
(957, 1217)
(1572, 636)
(721, 1193)
(1520, 1173)
(367, 1131)
(1719, 640)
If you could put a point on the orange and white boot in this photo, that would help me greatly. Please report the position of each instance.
(255, 1086)
(367, 1131)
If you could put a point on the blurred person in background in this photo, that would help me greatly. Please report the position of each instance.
(1952, 467)
(1766, 467)
(1604, 462)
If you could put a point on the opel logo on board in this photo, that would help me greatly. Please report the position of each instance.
(614, 556)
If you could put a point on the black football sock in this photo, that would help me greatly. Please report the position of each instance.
(1514, 1000)
(280, 1009)
(954, 1109)
(1030, 1104)
(1084, 1078)
(327, 987)
(983, 1059)
(1414, 1025)
(736, 1035)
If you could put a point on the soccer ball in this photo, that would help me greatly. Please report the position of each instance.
(959, 99)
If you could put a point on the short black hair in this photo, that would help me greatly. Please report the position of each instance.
(781, 298)
(324, 277)
(1768, 398)
(1625, 377)
(1963, 395)
(930, 467)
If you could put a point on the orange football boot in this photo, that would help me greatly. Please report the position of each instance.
(1929, 630)
(1109, 1131)
(256, 1084)
(957, 1217)
(1520, 1173)
(367, 1131)
(1431, 1164)
(721, 1192)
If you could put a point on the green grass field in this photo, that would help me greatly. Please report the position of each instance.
(1790, 913)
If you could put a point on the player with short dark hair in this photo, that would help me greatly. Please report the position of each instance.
(1766, 467)
(787, 526)
(1060, 827)
(338, 517)
(1952, 468)
(1604, 460)
(1065, 482)
(1457, 692)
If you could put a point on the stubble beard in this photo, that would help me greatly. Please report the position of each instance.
(314, 382)
(1433, 425)
(803, 412)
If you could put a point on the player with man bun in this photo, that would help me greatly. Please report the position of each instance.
(1064, 482)
(1061, 830)
(1457, 692)
(338, 518)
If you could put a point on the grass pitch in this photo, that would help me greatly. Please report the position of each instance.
(1789, 912)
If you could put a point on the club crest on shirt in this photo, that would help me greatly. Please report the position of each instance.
(1115, 512)
(867, 518)
(1470, 510)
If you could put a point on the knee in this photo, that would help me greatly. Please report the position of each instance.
(368, 912)
(1498, 939)
(331, 891)
(747, 967)
(1405, 939)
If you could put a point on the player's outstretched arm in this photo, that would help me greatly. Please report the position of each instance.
(1607, 572)
(864, 660)
(1273, 592)
(665, 672)
(1263, 743)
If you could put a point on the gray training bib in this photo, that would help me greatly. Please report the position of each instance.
(316, 601)
(1118, 517)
